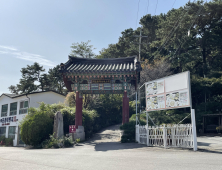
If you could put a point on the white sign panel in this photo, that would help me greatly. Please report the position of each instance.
(169, 92)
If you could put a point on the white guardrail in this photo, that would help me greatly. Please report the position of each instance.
(166, 135)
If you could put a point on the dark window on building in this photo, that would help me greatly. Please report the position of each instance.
(13, 109)
(11, 132)
(23, 107)
(2, 131)
(4, 110)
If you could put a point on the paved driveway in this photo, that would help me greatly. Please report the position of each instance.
(210, 143)
(104, 152)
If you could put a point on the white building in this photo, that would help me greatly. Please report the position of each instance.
(14, 108)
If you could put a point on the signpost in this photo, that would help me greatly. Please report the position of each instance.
(72, 128)
(171, 93)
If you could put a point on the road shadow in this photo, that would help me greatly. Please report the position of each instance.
(203, 144)
(216, 151)
(108, 146)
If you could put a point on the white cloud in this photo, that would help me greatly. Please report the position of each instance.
(8, 48)
(3, 52)
(26, 56)
(34, 58)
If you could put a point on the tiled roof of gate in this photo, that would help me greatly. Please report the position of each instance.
(85, 65)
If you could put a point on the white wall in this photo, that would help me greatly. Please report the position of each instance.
(46, 97)
(7, 100)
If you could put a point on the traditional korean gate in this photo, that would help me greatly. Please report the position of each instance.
(101, 76)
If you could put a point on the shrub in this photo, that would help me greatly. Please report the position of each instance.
(2, 140)
(68, 118)
(68, 142)
(89, 122)
(129, 130)
(51, 142)
(8, 142)
(57, 143)
(109, 110)
(36, 129)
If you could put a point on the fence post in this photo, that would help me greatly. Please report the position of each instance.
(147, 130)
(173, 135)
(164, 136)
(138, 132)
(193, 120)
(147, 136)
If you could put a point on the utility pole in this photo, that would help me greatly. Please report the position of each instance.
(139, 59)
(140, 36)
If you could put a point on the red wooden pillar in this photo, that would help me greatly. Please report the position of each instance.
(78, 118)
(125, 110)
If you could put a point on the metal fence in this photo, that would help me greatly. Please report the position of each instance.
(165, 135)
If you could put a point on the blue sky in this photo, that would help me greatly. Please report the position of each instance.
(43, 30)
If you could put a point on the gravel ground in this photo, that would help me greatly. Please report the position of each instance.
(111, 134)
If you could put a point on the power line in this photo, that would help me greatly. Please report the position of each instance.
(148, 3)
(174, 3)
(137, 12)
(198, 13)
(153, 18)
(156, 7)
(173, 29)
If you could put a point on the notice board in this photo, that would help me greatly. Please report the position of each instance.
(169, 92)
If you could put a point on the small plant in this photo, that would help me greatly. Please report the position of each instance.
(51, 143)
(57, 143)
(68, 142)
(77, 140)
(219, 129)
(2, 140)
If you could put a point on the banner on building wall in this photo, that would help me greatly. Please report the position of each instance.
(169, 92)
(7, 120)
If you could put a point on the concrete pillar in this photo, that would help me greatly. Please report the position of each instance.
(78, 118)
(6, 131)
(125, 110)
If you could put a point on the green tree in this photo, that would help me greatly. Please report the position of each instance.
(56, 80)
(30, 79)
(44, 82)
(34, 78)
(83, 50)
(188, 39)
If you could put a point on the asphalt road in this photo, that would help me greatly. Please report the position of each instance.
(105, 152)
